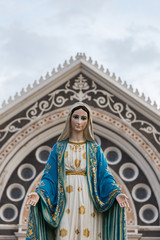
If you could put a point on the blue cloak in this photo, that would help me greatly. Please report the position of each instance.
(47, 214)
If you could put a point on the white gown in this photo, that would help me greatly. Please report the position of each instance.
(80, 220)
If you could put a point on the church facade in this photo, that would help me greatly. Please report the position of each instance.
(125, 125)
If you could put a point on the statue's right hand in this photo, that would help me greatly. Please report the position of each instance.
(33, 198)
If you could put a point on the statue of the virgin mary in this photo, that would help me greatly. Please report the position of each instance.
(77, 198)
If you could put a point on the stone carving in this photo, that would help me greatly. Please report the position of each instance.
(81, 91)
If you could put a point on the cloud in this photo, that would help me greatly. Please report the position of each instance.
(36, 36)
(25, 51)
(128, 52)
(135, 29)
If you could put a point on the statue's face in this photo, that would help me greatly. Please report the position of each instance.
(79, 120)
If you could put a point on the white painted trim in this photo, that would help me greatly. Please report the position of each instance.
(7, 237)
(95, 73)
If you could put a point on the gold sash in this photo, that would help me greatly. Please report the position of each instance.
(76, 173)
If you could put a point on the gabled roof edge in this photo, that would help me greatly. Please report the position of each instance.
(79, 57)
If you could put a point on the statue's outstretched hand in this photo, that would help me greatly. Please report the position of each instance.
(33, 198)
(122, 199)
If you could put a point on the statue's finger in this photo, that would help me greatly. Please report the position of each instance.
(126, 196)
(121, 205)
(127, 204)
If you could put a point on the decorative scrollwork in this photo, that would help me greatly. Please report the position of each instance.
(32, 112)
(130, 116)
(81, 91)
(150, 129)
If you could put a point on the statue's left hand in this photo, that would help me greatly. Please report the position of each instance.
(122, 199)
(33, 198)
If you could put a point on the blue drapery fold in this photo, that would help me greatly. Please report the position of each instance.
(47, 214)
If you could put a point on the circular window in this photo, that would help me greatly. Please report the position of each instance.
(15, 192)
(148, 213)
(26, 172)
(128, 172)
(141, 192)
(42, 154)
(113, 155)
(9, 212)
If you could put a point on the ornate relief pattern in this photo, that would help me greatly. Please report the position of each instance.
(31, 128)
(81, 91)
(110, 120)
(126, 130)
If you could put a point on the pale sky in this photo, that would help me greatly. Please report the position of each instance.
(122, 35)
